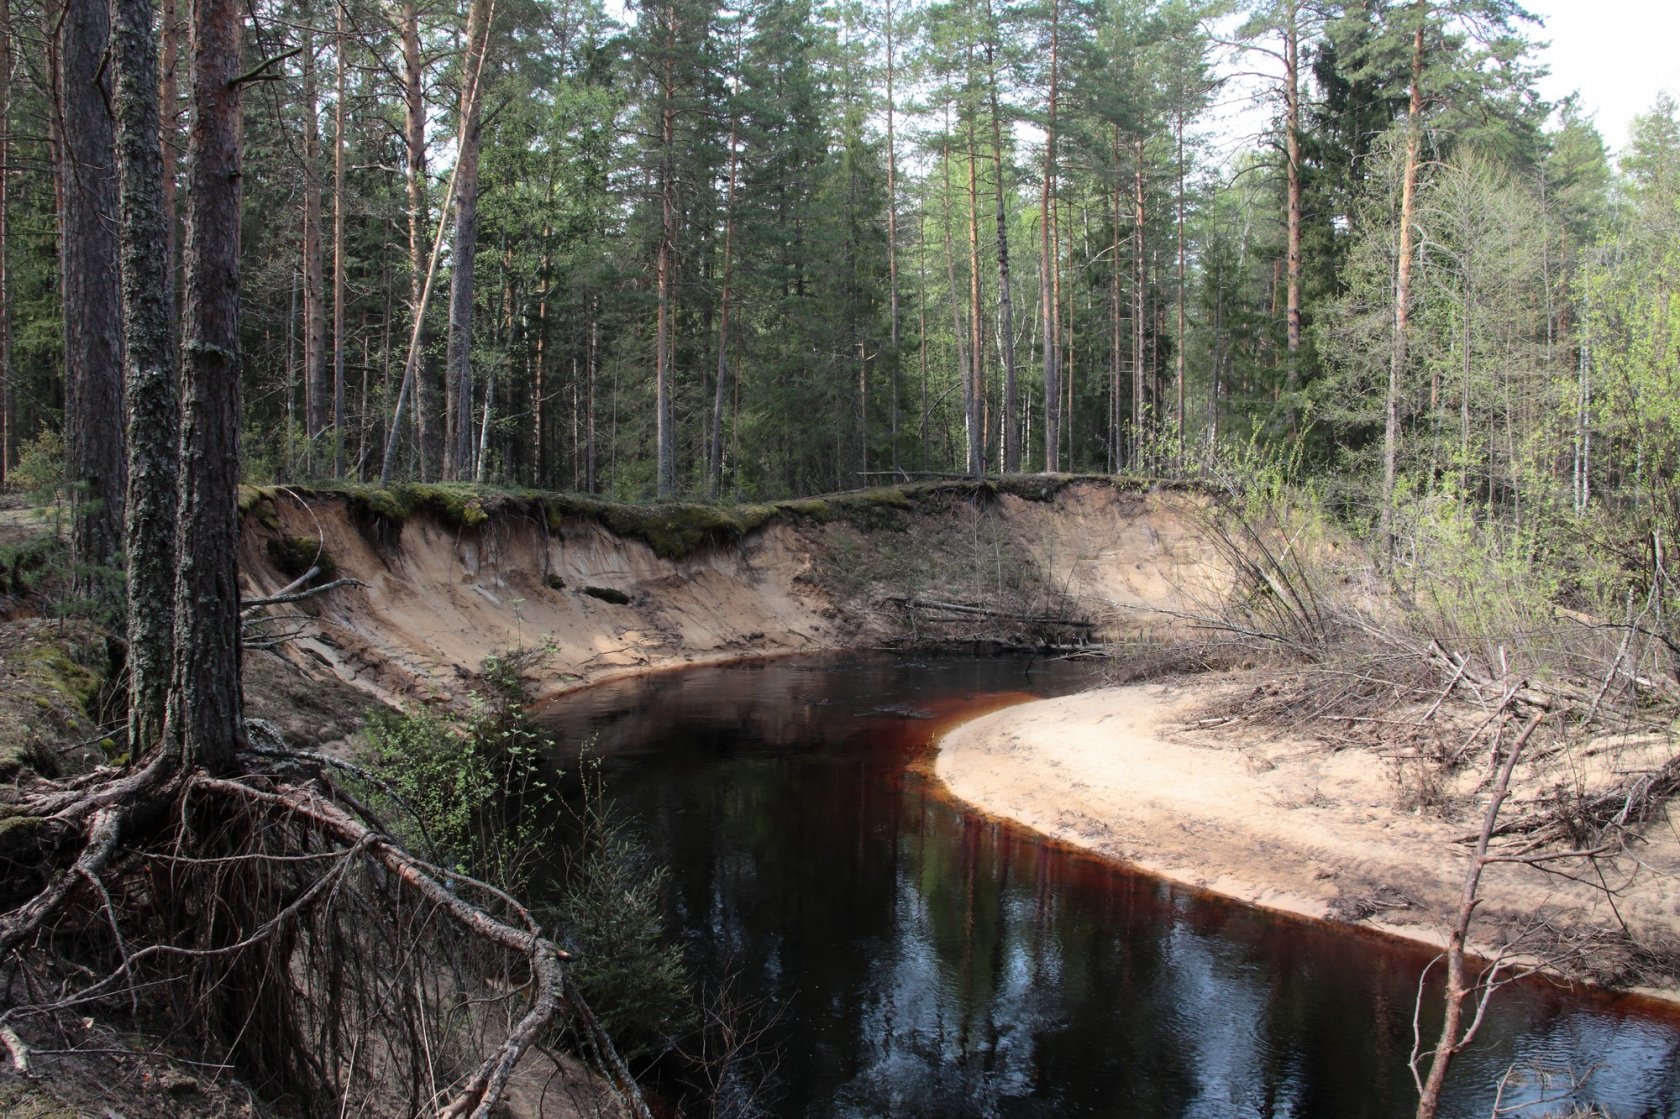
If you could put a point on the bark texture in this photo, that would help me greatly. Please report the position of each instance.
(148, 371)
(458, 452)
(93, 399)
(205, 702)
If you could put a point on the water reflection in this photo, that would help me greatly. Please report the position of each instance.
(922, 961)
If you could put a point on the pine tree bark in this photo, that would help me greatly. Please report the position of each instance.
(974, 397)
(205, 700)
(1049, 295)
(169, 105)
(458, 453)
(1140, 294)
(715, 450)
(317, 387)
(7, 448)
(1011, 405)
(892, 237)
(93, 403)
(339, 407)
(428, 396)
(149, 371)
(1402, 291)
(1292, 190)
(664, 436)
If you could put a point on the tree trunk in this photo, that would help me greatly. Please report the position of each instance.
(1049, 295)
(590, 368)
(974, 399)
(427, 397)
(339, 409)
(8, 448)
(1140, 284)
(169, 109)
(458, 454)
(666, 478)
(892, 238)
(1402, 293)
(540, 466)
(1178, 348)
(205, 702)
(149, 369)
(715, 450)
(93, 405)
(1292, 190)
(1011, 406)
(1119, 445)
(317, 388)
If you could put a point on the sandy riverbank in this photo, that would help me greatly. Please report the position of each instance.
(1288, 825)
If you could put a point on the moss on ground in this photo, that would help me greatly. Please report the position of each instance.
(20, 1100)
(293, 556)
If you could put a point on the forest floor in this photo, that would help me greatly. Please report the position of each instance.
(1161, 777)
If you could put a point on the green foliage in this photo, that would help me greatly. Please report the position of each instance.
(629, 971)
(39, 470)
(25, 564)
(469, 790)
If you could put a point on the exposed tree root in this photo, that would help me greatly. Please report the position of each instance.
(292, 938)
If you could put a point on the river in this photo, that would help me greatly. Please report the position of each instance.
(911, 957)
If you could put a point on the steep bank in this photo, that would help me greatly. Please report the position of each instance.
(446, 576)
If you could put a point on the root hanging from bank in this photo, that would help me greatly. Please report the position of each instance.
(268, 922)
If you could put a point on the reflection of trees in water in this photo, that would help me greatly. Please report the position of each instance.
(921, 961)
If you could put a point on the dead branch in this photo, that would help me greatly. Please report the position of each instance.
(986, 612)
(290, 594)
(1455, 1034)
(15, 1046)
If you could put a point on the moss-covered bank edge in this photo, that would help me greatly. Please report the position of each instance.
(674, 530)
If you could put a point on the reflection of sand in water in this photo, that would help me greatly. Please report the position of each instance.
(1282, 824)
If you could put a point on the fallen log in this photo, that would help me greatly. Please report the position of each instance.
(911, 603)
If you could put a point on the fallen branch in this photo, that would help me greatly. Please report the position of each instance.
(291, 593)
(987, 612)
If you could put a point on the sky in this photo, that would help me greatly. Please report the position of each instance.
(1618, 53)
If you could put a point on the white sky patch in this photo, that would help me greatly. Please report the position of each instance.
(1619, 54)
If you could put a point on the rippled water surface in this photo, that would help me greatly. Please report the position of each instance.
(921, 960)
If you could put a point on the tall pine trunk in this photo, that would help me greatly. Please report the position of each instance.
(458, 453)
(1402, 292)
(974, 397)
(205, 702)
(1049, 294)
(892, 240)
(666, 479)
(339, 409)
(1140, 295)
(8, 422)
(1006, 305)
(149, 372)
(428, 403)
(715, 449)
(93, 405)
(317, 387)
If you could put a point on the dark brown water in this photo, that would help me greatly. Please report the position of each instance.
(921, 960)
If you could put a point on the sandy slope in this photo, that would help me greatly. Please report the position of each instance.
(1287, 825)
(436, 599)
